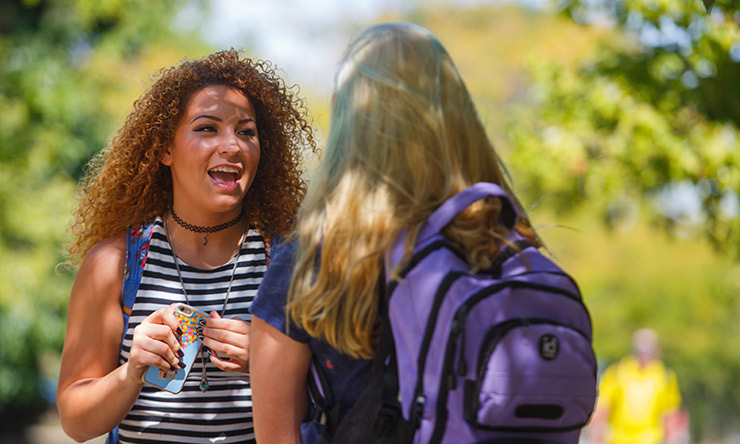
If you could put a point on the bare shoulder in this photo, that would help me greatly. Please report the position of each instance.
(101, 272)
(94, 319)
(110, 249)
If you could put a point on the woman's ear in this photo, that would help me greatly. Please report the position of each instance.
(167, 158)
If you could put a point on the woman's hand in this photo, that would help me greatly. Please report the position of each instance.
(155, 342)
(228, 340)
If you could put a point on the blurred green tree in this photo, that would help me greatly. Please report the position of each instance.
(65, 82)
(656, 105)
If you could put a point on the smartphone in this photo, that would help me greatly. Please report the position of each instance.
(191, 322)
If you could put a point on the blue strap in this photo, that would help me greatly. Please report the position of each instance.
(137, 250)
(112, 436)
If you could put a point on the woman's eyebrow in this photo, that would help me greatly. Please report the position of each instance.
(218, 119)
(206, 116)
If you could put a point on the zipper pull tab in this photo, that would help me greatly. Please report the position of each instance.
(421, 400)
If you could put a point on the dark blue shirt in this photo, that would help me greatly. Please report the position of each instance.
(347, 376)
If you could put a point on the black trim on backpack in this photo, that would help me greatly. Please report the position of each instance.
(503, 255)
(492, 338)
(320, 411)
(495, 270)
(419, 399)
(447, 380)
(415, 259)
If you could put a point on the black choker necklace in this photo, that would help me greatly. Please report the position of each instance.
(205, 230)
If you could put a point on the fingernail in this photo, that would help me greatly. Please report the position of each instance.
(181, 364)
(179, 331)
(172, 368)
(202, 322)
(199, 330)
(180, 353)
(200, 337)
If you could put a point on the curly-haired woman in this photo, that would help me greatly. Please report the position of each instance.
(209, 162)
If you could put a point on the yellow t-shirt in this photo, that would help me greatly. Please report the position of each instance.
(637, 399)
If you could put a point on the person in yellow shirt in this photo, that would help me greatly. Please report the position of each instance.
(637, 396)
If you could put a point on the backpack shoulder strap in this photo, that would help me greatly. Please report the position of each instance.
(138, 238)
(505, 254)
(456, 204)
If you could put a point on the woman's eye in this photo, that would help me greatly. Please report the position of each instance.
(205, 128)
(248, 132)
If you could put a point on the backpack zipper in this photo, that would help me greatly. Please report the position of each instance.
(458, 327)
(491, 340)
(462, 313)
(494, 336)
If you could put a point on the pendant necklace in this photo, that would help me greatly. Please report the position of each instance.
(203, 377)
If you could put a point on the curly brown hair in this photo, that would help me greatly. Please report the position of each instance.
(126, 184)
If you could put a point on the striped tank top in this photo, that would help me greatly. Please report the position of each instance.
(223, 414)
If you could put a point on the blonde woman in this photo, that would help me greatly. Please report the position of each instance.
(404, 137)
(208, 161)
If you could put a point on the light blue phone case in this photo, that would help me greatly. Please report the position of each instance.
(191, 320)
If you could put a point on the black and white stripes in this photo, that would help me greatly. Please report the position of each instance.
(223, 414)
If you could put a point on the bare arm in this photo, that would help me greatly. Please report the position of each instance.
(596, 430)
(278, 371)
(94, 393)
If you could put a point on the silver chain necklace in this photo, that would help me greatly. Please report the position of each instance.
(203, 376)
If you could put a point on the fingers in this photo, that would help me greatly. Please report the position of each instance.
(230, 364)
(228, 339)
(167, 316)
(156, 343)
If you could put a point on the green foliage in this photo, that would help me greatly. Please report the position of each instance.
(656, 103)
(61, 86)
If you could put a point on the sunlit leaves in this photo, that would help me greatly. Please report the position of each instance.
(69, 72)
(642, 115)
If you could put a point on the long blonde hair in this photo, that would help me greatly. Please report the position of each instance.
(404, 137)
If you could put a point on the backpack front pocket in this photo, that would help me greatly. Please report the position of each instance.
(532, 375)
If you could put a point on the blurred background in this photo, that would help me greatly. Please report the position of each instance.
(618, 119)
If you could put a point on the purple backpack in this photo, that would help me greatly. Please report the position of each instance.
(500, 356)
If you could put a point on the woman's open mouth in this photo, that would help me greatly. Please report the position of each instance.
(225, 176)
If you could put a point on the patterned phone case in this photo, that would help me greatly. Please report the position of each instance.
(191, 320)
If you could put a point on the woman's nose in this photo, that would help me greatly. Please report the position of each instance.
(229, 145)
